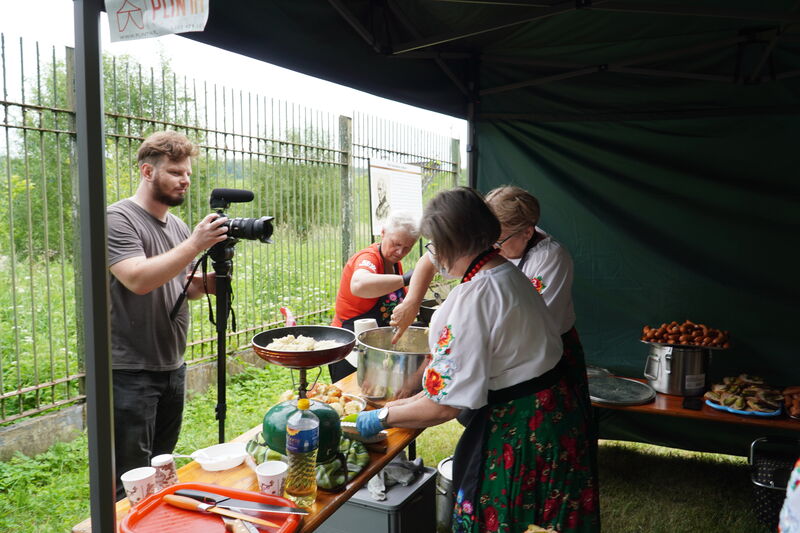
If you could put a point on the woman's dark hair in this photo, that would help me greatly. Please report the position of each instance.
(459, 223)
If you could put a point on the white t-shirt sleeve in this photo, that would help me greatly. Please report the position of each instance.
(458, 374)
(551, 271)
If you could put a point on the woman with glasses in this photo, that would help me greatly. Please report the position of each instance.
(546, 263)
(497, 363)
(373, 282)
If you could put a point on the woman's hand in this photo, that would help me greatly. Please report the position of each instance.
(368, 424)
(403, 401)
(402, 317)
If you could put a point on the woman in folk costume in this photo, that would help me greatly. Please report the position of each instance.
(498, 365)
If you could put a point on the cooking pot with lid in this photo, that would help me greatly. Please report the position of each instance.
(678, 370)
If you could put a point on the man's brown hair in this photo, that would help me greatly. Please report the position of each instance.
(175, 146)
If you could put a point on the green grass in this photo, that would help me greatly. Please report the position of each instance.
(651, 489)
(643, 489)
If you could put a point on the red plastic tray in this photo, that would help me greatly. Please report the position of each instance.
(153, 515)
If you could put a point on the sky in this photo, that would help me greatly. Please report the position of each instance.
(50, 22)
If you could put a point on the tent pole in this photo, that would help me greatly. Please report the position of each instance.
(473, 110)
(401, 16)
(92, 205)
(689, 10)
(348, 16)
(556, 9)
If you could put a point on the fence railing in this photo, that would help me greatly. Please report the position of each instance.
(307, 168)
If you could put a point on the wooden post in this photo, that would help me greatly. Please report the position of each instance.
(346, 160)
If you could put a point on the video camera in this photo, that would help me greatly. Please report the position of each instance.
(254, 229)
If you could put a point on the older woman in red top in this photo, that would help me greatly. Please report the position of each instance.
(373, 282)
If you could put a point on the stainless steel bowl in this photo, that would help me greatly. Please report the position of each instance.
(389, 371)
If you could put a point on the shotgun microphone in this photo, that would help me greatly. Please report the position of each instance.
(229, 196)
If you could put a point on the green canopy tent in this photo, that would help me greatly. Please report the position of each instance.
(658, 136)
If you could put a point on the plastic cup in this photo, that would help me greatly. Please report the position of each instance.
(272, 477)
(139, 483)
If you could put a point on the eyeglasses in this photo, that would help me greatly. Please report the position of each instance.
(431, 248)
(501, 241)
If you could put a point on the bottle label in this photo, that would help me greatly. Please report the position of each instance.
(302, 440)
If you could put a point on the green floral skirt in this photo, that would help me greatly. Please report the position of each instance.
(538, 467)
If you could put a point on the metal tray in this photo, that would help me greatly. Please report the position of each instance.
(614, 390)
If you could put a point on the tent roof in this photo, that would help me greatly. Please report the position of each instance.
(532, 59)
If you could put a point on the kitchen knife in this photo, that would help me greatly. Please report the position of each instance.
(246, 506)
(191, 504)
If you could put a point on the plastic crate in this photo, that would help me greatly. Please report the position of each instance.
(408, 509)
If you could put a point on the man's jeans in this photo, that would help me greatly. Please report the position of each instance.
(148, 409)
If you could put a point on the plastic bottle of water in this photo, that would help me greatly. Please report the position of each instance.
(302, 441)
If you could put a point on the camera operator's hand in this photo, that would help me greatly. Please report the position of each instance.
(209, 232)
(207, 286)
(141, 274)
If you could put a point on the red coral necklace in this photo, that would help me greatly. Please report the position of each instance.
(478, 263)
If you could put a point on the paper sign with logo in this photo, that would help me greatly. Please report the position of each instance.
(393, 187)
(141, 19)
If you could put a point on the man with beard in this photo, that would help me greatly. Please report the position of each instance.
(150, 251)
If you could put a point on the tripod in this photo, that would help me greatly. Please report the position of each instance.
(221, 257)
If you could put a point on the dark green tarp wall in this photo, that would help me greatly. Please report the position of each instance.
(660, 136)
(667, 220)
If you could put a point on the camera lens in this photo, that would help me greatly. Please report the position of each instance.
(254, 229)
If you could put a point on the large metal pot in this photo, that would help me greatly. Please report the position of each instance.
(445, 496)
(389, 371)
(426, 310)
(679, 370)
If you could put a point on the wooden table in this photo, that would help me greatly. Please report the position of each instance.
(243, 477)
(669, 405)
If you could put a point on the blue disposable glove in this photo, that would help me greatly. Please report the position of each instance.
(368, 424)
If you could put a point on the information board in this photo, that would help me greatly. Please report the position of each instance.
(393, 187)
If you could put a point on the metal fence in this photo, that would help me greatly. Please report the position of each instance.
(307, 168)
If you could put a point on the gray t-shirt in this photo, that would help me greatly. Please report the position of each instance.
(142, 335)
